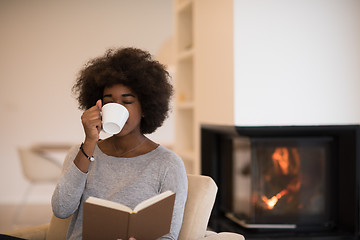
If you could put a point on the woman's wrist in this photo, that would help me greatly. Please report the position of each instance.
(82, 161)
(91, 158)
(88, 146)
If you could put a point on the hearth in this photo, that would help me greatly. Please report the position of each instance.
(284, 182)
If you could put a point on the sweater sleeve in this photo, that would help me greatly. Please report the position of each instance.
(176, 180)
(70, 187)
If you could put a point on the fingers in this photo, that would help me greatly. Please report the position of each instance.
(91, 120)
(99, 104)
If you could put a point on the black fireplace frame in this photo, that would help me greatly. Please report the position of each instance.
(216, 148)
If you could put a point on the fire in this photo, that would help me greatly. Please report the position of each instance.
(284, 165)
(270, 203)
(281, 159)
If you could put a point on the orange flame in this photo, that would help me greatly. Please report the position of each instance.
(282, 165)
(281, 159)
(271, 202)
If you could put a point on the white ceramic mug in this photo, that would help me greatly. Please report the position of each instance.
(114, 117)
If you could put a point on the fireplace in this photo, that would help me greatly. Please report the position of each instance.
(284, 182)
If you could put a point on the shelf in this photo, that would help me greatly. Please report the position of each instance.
(184, 129)
(185, 105)
(184, 26)
(183, 5)
(186, 55)
(184, 82)
(203, 69)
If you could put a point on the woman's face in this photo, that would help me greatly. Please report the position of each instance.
(124, 96)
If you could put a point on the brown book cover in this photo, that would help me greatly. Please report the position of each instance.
(151, 219)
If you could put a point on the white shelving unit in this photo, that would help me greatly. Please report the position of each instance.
(203, 73)
(184, 85)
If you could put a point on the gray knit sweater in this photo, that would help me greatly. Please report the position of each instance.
(125, 180)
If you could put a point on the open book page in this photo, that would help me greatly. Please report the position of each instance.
(154, 220)
(109, 204)
(152, 200)
(104, 219)
(103, 222)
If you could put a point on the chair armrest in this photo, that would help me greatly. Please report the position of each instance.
(210, 235)
(231, 236)
(31, 233)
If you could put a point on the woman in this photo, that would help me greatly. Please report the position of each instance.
(128, 167)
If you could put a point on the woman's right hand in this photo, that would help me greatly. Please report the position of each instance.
(91, 121)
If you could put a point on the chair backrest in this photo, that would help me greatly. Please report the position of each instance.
(37, 168)
(201, 197)
(200, 201)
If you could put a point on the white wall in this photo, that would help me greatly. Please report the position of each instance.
(43, 46)
(297, 62)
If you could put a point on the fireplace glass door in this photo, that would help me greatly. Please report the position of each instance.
(283, 182)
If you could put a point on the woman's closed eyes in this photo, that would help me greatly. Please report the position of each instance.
(126, 99)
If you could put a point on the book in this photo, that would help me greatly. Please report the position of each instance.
(150, 219)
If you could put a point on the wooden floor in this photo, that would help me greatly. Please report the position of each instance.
(30, 215)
